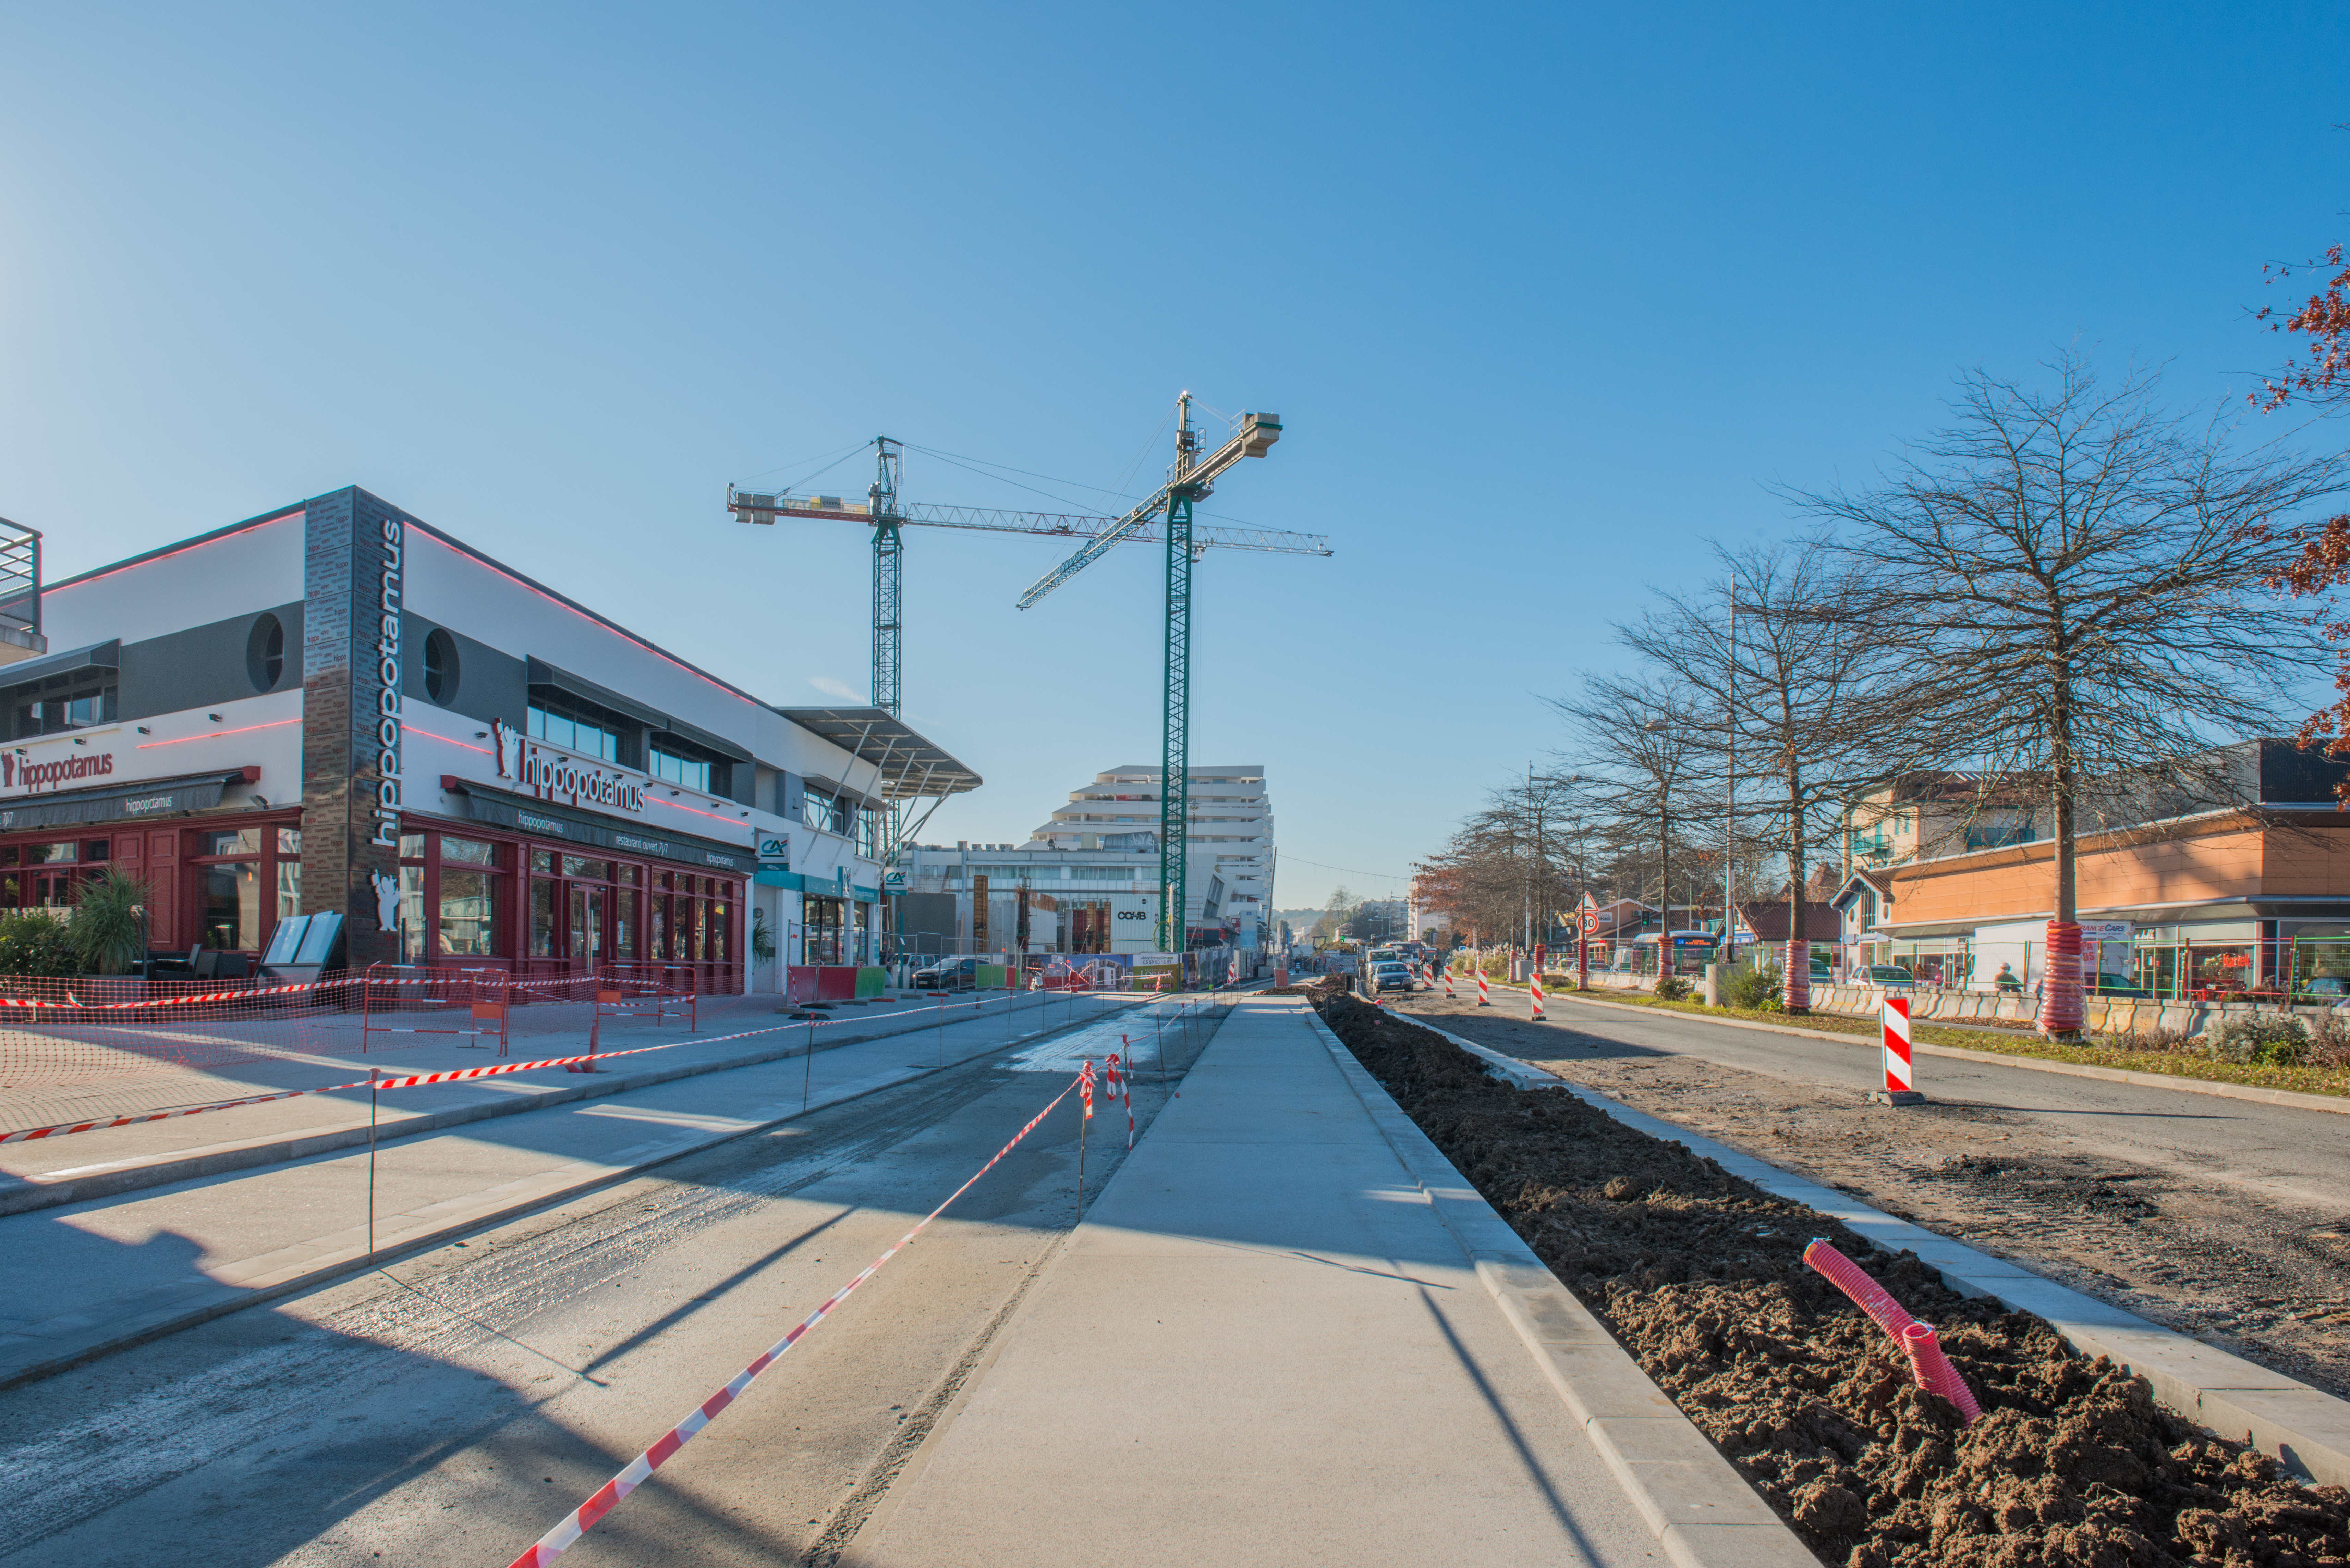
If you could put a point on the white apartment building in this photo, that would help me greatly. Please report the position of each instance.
(1229, 879)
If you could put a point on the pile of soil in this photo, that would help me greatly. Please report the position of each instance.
(1701, 1275)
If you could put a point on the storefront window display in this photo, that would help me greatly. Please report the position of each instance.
(823, 919)
(2321, 967)
(2216, 972)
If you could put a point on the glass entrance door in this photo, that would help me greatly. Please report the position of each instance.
(587, 905)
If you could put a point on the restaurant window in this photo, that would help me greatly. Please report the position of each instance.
(52, 873)
(409, 928)
(290, 872)
(674, 766)
(240, 883)
(574, 732)
(467, 895)
(542, 918)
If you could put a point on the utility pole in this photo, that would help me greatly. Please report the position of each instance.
(1528, 878)
(1730, 802)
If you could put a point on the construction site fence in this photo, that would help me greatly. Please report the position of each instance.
(58, 1031)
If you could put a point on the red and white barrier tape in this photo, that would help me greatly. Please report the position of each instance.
(417, 1080)
(558, 1541)
(71, 1004)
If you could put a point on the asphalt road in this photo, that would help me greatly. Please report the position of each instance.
(2228, 1220)
(450, 1408)
(2277, 1153)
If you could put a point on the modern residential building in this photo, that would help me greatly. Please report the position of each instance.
(336, 707)
(1230, 873)
(1027, 897)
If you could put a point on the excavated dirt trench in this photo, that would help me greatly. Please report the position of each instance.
(1701, 1275)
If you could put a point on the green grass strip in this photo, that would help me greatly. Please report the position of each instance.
(2014, 1041)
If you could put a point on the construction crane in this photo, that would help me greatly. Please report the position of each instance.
(1189, 480)
(887, 515)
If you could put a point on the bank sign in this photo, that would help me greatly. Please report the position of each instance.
(552, 773)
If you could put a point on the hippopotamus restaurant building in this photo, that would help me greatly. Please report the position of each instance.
(337, 707)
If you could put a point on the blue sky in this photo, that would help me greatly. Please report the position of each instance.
(1547, 297)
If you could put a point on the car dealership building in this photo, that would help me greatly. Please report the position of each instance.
(337, 707)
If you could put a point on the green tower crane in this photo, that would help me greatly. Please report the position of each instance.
(1190, 479)
(887, 517)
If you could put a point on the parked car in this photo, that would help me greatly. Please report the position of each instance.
(952, 974)
(1393, 976)
(2117, 985)
(1890, 975)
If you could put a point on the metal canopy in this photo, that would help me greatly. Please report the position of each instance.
(911, 768)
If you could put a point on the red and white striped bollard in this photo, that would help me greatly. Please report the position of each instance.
(1900, 1081)
(1484, 992)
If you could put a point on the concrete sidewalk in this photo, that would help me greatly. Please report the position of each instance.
(1262, 1346)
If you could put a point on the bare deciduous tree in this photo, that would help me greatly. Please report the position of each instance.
(1808, 683)
(2082, 570)
(1639, 744)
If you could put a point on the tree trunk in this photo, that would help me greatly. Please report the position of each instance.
(1664, 892)
(2060, 971)
(1795, 978)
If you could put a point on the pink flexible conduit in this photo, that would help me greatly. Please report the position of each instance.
(1933, 1369)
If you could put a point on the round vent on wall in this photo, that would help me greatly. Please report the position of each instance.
(440, 668)
(265, 653)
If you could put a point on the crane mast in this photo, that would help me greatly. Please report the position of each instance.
(1191, 479)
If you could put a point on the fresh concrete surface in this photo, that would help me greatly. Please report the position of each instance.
(1702, 1511)
(736, 1031)
(1263, 1346)
(2305, 1427)
(442, 1410)
(91, 1277)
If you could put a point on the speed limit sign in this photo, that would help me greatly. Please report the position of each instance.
(1590, 921)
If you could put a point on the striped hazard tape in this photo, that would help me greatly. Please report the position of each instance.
(582, 1519)
(413, 1081)
(72, 1003)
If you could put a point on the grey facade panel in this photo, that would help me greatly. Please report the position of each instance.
(204, 666)
(490, 684)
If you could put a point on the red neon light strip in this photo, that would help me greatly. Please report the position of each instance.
(696, 811)
(214, 734)
(412, 730)
(103, 572)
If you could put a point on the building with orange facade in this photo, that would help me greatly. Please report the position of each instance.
(2251, 897)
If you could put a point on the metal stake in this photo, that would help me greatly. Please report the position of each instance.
(373, 1073)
